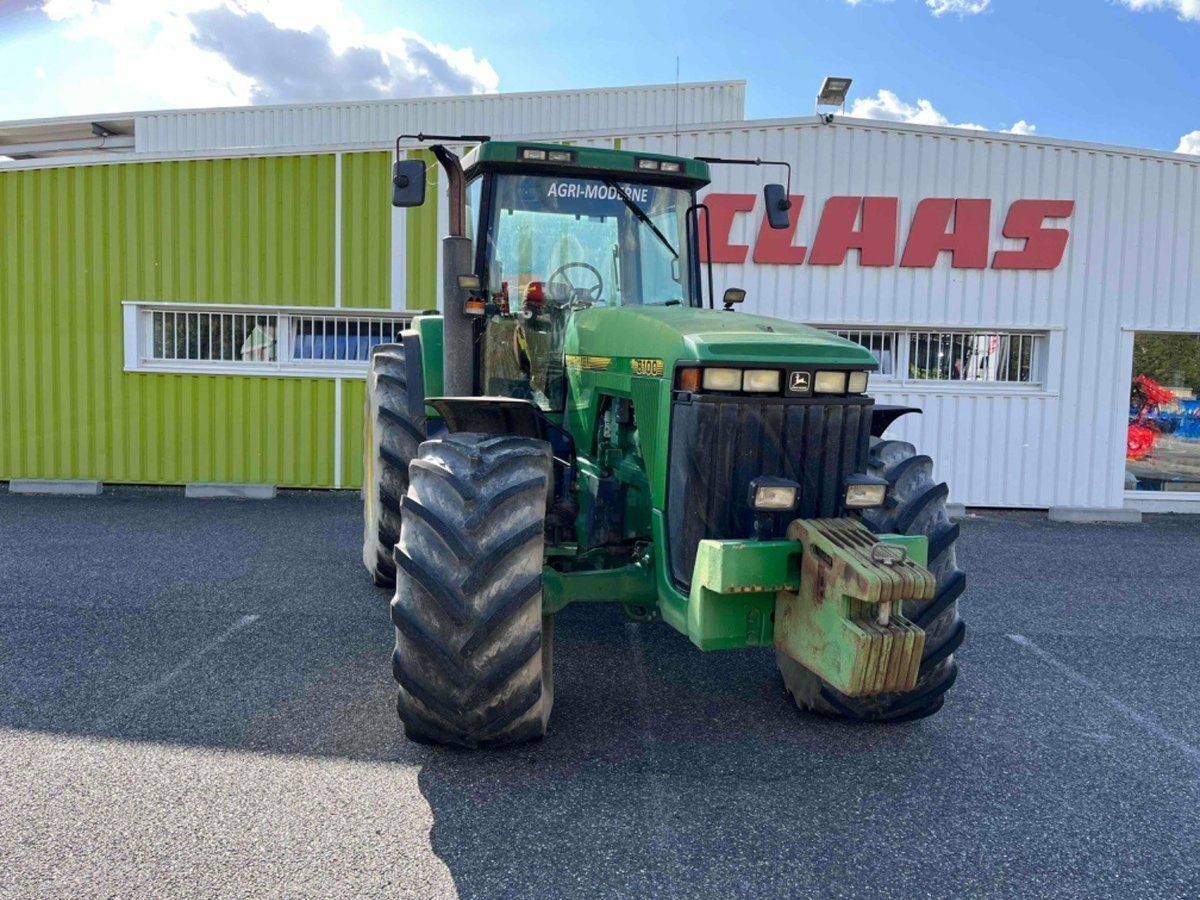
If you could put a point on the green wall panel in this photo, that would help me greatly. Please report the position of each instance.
(76, 241)
(422, 242)
(367, 230)
(354, 392)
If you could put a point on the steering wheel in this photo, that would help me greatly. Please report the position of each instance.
(595, 291)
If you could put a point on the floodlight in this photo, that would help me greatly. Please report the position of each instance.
(834, 91)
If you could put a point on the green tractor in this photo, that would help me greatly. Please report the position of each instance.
(580, 425)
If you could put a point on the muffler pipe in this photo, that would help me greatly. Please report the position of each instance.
(458, 329)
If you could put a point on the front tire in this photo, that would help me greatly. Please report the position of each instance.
(916, 505)
(473, 651)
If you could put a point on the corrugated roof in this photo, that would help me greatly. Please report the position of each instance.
(375, 122)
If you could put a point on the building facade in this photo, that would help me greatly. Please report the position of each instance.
(195, 305)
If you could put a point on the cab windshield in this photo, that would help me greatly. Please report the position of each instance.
(587, 242)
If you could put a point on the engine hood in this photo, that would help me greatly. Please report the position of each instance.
(684, 333)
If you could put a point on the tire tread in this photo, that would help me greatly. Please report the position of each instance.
(467, 605)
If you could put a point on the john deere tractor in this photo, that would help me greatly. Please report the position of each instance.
(579, 424)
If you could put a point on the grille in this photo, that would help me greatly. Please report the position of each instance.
(718, 445)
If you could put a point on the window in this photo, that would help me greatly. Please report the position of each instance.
(589, 241)
(559, 245)
(1163, 433)
(269, 340)
(973, 357)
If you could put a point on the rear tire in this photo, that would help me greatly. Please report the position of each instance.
(473, 653)
(916, 505)
(391, 436)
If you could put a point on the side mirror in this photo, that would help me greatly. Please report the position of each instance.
(778, 205)
(732, 296)
(408, 182)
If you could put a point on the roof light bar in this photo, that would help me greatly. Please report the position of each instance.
(541, 154)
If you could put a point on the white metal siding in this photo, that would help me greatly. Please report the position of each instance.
(1133, 262)
(378, 122)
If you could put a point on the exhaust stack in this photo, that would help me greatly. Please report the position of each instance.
(458, 332)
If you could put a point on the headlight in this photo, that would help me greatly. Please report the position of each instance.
(760, 381)
(858, 383)
(722, 379)
(829, 383)
(770, 494)
(730, 380)
(865, 492)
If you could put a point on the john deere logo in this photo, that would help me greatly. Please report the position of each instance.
(799, 383)
(652, 368)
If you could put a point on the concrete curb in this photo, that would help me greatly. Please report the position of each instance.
(203, 490)
(1090, 514)
(64, 488)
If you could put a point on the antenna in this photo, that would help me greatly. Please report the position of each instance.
(677, 104)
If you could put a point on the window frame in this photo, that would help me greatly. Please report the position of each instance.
(138, 319)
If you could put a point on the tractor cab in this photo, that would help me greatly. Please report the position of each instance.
(556, 230)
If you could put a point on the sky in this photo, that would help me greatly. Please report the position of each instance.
(1114, 71)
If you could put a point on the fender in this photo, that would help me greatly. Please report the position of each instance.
(507, 415)
(415, 375)
(882, 417)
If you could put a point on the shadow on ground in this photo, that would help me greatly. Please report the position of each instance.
(252, 627)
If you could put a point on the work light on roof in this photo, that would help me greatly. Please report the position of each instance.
(541, 154)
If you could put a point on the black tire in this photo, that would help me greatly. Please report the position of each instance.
(391, 435)
(916, 505)
(473, 652)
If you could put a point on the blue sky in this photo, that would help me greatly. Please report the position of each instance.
(1114, 71)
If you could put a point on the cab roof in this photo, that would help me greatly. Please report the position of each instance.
(509, 156)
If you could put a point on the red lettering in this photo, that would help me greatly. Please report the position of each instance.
(836, 235)
(722, 208)
(967, 242)
(1044, 247)
(870, 225)
(774, 245)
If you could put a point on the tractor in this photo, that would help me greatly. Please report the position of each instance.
(580, 423)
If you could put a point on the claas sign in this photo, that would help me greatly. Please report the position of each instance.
(871, 226)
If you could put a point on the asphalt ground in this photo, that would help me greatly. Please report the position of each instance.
(195, 700)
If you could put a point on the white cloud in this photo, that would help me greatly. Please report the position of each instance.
(229, 52)
(1185, 9)
(886, 106)
(1189, 143)
(959, 7)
